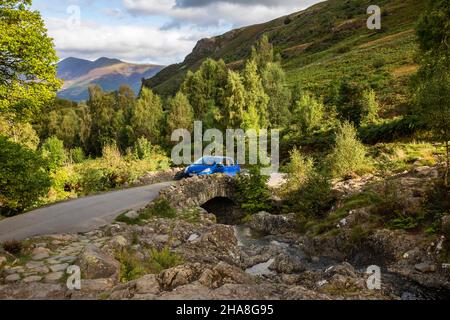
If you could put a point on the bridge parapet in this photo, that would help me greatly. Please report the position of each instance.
(196, 191)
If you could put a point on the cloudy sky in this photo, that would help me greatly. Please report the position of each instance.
(150, 31)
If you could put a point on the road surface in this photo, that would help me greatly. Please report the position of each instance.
(80, 215)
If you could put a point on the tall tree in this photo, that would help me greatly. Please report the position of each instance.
(274, 83)
(234, 101)
(27, 61)
(433, 80)
(147, 116)
(180, 114)
(263, 52)
(255, 113)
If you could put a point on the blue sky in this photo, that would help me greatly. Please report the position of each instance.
(150, 31)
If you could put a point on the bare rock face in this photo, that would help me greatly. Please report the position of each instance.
(95, 264)
(287, 265)
(179, 276)
(272, 224)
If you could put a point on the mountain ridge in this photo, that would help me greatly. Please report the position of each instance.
(78, 74)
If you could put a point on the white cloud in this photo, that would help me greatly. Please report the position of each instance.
(127, 42)
(205, 13)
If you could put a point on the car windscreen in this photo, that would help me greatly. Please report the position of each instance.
(209, 161)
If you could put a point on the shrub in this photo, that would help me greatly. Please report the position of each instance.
(349, 154)
(13, 247)
(142, 149)
(164, 259)
(76, 155)
(314, 199)
(299, 169)
(93, 180)
(53, 151)
(308, 113)
(130, 267)
(23, 177)
(253, 192)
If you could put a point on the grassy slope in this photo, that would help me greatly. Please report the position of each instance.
(323, 44)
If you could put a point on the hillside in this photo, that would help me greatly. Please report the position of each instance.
(320, 45)
(110, 74)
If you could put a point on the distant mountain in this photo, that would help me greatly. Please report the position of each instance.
(110, 74)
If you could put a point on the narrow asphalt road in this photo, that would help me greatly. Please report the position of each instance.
(80, 215)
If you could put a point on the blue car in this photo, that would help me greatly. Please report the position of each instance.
(211, 165)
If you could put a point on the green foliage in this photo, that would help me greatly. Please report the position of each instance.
(161, 209)
(263, 52)
(130, 267)
(19, 132)
(275, 86)
(253, 192)
(314, 199)
(349, 154)
(369, 107)
(76, 155)
(158, 260)
(163, 259)
(23, 177)
(432, 85)
(234, 100)
(299, 169)
(143, 149)
(308, 114)
(27, 59)
(147, 116)
(53, 152)
(204, 90)
(255, 114)
(180, 114)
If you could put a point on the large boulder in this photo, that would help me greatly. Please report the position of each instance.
(95, 264)
(267, 223)
(286, 264)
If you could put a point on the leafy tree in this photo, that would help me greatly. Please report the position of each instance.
(103, 132)
(23, 177)
(253, 191)
(432, 85)
(263, 52)
(21, 133)
(205, 90)
(255, 113)
(180, 114)
(27, 61)
(53, 151)
(349, 154)
(275, 86)
(147, 116)
(308, 114)
(234, 101)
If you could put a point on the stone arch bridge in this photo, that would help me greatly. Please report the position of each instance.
(214, 193)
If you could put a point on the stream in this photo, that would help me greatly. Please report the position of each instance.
(254, 244)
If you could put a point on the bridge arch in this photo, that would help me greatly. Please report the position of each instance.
(214, 193)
